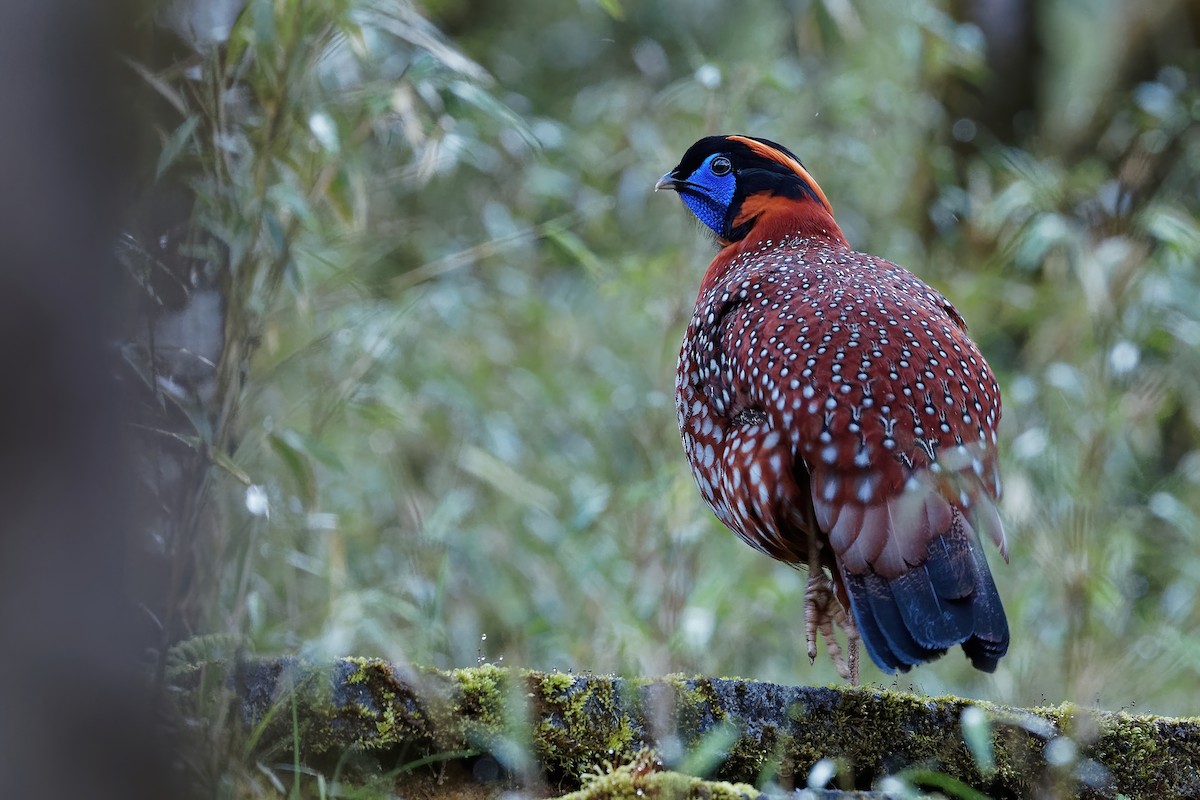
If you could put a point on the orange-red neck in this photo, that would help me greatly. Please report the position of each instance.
(773, 218)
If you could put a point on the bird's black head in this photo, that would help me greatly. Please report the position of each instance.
(718, 174)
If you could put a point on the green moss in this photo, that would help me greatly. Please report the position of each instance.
(566, 726)
(875, 732)
(364, 665)
(553, 682)
(479, 681)
(1144, 753)
(479, 692)
(385, 729)
(633, 781)
(622, 739)
(581, 722)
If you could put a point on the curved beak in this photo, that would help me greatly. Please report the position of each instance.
(667, 182)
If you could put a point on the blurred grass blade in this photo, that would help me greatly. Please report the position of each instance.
(977, 733)
(222, 460)
(711, 751)
(298, 466)
(947, 784)
(401, 20)
(175, 144)
(262, 13)
(160, 85)
(613, 9)
(578, 250)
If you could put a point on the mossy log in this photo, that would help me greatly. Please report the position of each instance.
(560, 731)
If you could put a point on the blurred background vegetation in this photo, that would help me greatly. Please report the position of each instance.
(405, 315)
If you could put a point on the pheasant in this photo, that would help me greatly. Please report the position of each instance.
(836, 415)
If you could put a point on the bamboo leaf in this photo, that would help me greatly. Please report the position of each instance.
(222, 460)
(175, 144)
(263, 15)
(613, 9)
(164, 88)
(299, 466)
(577, 249)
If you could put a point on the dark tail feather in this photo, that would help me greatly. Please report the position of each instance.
(949, 600)
(885, 632)
(877, 645)
(990, 639)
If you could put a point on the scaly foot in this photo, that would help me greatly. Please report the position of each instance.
(821, 612)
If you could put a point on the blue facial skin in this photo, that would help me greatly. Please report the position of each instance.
(710, 195)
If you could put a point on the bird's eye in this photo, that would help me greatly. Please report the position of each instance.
(721, 166)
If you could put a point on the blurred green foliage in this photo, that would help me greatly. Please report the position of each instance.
(462, 304)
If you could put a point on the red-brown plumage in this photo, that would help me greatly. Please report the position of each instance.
(836, 414)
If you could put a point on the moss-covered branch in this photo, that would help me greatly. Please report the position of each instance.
(553, 729)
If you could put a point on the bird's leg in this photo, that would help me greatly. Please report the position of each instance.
(821, 611)
(847, 624)
(811, 621)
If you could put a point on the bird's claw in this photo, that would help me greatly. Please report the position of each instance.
(821, 612)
